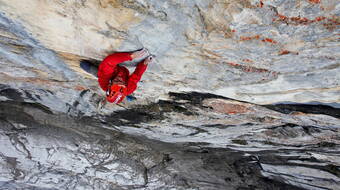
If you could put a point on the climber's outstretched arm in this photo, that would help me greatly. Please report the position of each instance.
(137, 74)
(135, 77)
(107, 67)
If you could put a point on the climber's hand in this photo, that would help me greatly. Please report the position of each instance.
(149, 59)
(140, 54)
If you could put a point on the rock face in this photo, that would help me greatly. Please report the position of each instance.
(202, 148)
(57, 132)
(47, 151)
(258, 51)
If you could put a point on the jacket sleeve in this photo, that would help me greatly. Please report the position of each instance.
(107, 68)
(135, 77)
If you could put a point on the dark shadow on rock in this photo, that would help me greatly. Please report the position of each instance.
(195, 98)
(147, 113)
(221, 126)
(90, 66)
(305, 108)
(12, 94)
(158, 110)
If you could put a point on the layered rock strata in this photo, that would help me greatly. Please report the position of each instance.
(204, 147)
(257, 51)
(57, 131)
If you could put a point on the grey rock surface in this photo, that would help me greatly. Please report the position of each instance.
(257, 51)
(57, 131)
(44, 150)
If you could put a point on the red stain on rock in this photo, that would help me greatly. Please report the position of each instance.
(229, 107)
(269, 40)
(247, 61)
(79, 88)
(314, 1)
(246, 38)
(320, 18)
(232, 63)
(292, 20)
(330, 22)
(300, 20)
(258, 37)
(282, 17)
(251, 69)
(285, 52)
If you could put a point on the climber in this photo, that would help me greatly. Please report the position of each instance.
(116, 80)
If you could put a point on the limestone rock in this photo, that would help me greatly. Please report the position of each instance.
(257, 51)
(274, 60)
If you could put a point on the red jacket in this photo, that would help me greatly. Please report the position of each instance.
(109, 69)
